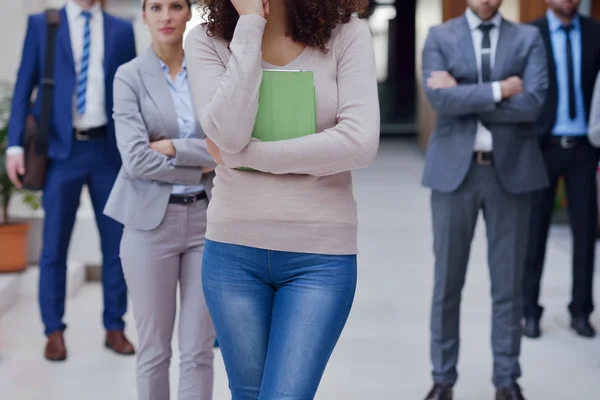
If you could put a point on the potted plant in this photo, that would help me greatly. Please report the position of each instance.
(13, 235)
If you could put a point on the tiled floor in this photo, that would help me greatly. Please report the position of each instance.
(383, 353)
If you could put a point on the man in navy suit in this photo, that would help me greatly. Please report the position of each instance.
(90, 46)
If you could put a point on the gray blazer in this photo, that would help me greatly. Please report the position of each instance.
(143, 112)
(517, 155)
(594, 124)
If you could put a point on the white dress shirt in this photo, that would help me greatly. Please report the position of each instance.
(483, 137)
(95, 109)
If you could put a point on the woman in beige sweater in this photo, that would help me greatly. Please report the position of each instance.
(279, 268)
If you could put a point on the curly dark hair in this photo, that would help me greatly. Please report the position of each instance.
(309, 21)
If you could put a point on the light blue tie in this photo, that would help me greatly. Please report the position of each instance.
(85, 61)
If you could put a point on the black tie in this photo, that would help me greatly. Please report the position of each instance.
(486, 52)
(570, 72)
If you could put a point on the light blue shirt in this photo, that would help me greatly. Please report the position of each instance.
(564, 125)
(180, 93)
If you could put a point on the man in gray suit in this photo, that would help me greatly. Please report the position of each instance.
(486, 78)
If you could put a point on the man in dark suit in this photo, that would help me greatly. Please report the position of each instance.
(90, 46)
(573, 51)
(486, 78)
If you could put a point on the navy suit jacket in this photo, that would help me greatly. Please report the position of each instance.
(119, 48)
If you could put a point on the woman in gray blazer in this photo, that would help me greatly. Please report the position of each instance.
(161, 196)
(594, 125)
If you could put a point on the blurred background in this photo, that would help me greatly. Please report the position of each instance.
(385, 348)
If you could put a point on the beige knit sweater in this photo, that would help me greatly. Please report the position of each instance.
(303, 202)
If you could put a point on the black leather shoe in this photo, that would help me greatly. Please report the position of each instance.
(531, 328)
(510, 393)
(440, 392)
(582, 327)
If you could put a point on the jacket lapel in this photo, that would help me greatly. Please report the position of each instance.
(465, 42)
(545, 30)
(158, 89)
(108, 40)
(502, 49)
(587, 53)
(64, 39)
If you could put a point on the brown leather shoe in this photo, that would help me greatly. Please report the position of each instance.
(117, 342)
(440, 392)
(55, 347)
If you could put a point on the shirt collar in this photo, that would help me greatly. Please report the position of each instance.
(474, 21)
(555, 24)
(74, 10)
(165, 67)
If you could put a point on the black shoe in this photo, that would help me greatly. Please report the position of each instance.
(510, 393)
(582, 327)
(440, 392)
(531, 328)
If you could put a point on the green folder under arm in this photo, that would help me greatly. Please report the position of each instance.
(286, 106)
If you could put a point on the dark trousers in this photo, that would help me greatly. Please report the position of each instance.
(86, 166)
(578, 166)
(454, 217)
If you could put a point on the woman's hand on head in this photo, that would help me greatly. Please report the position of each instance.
(256, 7)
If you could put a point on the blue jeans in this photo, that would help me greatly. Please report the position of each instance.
(278, 316)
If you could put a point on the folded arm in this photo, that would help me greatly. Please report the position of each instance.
(27, 79)
(525, 106)
(351, 144)
(139, 160)
(594, 125)
(226, 97)
(192, 153)
(457, 101)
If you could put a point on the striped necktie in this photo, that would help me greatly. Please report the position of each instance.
(486, 52)
(85, 61)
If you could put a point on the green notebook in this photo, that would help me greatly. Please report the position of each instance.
(286, 106)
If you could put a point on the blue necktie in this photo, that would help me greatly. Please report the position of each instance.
(85, 61)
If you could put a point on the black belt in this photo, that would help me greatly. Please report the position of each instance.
(568, 142)
(187, 199)
(483, 157)
(92, 133)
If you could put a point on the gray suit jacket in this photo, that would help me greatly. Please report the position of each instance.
(517, 155)
(594, 124)
(143, 112)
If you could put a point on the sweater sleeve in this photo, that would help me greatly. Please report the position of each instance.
(351, 144)
(226, 96)
(594, 125)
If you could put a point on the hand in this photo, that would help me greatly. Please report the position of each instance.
(164, 146)
(256, 7)
(206, 170)
(440, 80)
(511, 86)
(15, 166)
(214, 151)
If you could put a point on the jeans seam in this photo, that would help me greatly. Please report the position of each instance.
(269, 265)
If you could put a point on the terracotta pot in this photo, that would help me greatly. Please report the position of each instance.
(13, 247)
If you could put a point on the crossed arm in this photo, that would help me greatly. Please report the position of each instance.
(514, 104)
(145, 160)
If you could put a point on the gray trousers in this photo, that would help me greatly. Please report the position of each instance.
(155, 263)
(454, 218)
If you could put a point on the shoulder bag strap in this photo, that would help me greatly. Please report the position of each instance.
(47, 87)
